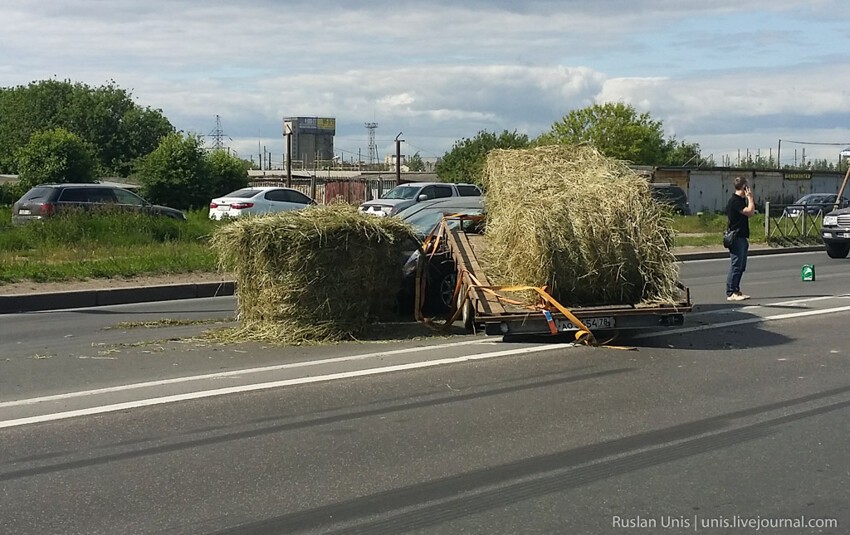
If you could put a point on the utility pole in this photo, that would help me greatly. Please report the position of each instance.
(373, 147)
(287, 133)
(217, 134)
(398, 158)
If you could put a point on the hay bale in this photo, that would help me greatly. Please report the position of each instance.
(581, 223)
(320, 274)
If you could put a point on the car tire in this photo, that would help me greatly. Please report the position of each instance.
(440, 291)
(837, 250)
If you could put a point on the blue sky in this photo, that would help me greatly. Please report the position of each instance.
(728, 75)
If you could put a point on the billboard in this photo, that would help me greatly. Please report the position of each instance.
(311, 125)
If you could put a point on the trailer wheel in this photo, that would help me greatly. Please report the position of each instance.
(467, 310)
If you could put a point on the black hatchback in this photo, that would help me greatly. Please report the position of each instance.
(47, 200)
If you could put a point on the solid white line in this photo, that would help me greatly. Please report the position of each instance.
(768, 305)
(750, 258)
(778, 317)
(274, 384)
(234, 373)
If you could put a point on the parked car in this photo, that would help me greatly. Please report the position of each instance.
(671, 195)
(835, 233)
(47, 200)
(815, 204)
(440, 269)
(257, 201)
(400, 197)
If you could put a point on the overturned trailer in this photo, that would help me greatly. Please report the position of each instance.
(507, 310)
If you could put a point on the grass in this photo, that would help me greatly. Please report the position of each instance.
(81, 246)
(84, 247)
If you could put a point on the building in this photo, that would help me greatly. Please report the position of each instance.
(312, 139)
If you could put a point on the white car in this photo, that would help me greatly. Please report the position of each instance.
(257, 201)
(405, 195)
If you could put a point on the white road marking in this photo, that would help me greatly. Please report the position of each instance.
(747, 321)
(273, 384)
(751, 257)
(768, 305)
(236, 373)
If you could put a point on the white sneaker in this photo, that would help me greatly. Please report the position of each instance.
(737, 297)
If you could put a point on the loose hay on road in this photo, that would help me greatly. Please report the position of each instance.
(321, 274)
(579, 222)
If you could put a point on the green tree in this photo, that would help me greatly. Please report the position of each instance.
(616, 130)
(415, 163)
(55, 156)
(465, 162)
(182, 174)
(227, 173)
(176, 173)
(106, 117)
(681, 153)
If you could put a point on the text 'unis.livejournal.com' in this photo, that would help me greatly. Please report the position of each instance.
(733, 523)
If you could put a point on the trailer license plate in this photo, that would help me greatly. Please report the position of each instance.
(590, 323)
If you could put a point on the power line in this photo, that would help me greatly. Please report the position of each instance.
(813, 143)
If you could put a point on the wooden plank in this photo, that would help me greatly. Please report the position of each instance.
(464, 254)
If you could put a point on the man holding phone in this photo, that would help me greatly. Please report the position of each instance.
(739, 210)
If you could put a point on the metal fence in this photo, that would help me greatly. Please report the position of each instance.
(325, 191)
(792, 224)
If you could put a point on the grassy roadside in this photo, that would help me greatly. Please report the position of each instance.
(114, 246)
(81, 247)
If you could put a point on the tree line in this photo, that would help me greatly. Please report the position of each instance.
(57, 131)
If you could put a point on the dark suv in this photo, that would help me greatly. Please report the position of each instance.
(672, 196)
(47, 200)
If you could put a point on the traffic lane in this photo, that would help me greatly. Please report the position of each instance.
(767, 277)
(99, 355)
(77, 329)
(187, 361)
(420, 448)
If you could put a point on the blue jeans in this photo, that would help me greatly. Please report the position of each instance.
(738, 254)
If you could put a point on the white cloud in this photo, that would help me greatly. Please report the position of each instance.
(721, 73)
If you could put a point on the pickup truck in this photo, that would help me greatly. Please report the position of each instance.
(404, 195)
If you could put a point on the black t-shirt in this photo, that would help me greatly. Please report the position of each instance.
(737, 220)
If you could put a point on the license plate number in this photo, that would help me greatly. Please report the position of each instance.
(590, 323)
(24, 212)
(223, 208)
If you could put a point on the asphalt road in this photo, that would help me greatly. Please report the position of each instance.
(738, 416)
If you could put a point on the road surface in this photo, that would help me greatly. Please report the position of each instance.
(737, 419)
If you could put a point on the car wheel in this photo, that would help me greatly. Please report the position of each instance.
(447, 290)
(837, 250)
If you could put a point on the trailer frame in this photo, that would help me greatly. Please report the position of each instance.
(479, 303)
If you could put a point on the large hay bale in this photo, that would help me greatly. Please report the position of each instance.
(320, 274)
(581, 223)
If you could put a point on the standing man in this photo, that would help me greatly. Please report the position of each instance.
(739, 210)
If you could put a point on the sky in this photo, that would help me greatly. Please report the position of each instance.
(730, 75)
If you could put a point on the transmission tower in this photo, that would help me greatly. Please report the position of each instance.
(217, 135)
(373, 147)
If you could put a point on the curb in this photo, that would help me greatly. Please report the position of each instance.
(759, 251)
(35, 302)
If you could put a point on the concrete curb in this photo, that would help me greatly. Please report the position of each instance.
(759, 251)
(112, 296)
(35, 302)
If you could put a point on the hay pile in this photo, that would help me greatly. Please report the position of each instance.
(314, 275)
(579, 222)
